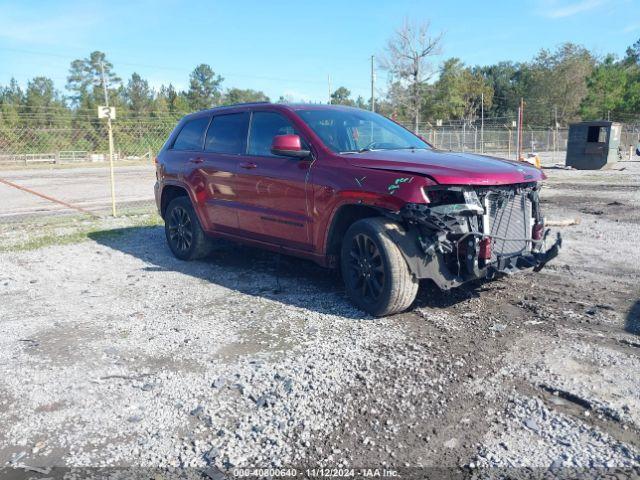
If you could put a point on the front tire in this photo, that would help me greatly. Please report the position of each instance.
(185, 236)
(375, 273)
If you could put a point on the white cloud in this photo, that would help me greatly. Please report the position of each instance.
(556, 9)
(631, 28)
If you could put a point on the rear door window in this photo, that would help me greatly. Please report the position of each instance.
(191, 135)
(228, 134)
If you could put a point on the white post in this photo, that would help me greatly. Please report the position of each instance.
(464, 125)
(482, 124)
(113, 184)
(373, 82)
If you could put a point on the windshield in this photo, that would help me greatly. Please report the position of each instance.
(357, 131)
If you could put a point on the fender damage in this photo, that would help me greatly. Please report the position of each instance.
(466, 233)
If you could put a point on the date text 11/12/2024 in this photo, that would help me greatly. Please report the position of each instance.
(315, 473)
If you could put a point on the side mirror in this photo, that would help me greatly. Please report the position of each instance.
(288, 146)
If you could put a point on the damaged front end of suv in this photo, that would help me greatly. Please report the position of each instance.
(465, 233)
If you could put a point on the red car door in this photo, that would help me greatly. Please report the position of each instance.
(184, 162)
(225, 141)
(272, 195)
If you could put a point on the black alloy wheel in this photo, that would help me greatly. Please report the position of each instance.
(375, 273)
(366, 268)
(186, 238)
(180, 230)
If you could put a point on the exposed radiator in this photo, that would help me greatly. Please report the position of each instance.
(509, 218)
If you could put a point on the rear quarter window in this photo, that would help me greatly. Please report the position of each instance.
(191, 135)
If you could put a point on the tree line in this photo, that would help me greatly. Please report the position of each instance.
(558, 86)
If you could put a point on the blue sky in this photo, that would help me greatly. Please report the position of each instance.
(290, 47)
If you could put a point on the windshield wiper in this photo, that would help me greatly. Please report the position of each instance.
(363, 150)
(408, 148)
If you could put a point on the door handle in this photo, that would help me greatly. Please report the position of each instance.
(196, 160)
(248, 165)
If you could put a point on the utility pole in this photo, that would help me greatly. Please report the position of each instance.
(373, 84)
(520, 133)
(329, 82)
(482, 123)
(555, 132)
(110, 130)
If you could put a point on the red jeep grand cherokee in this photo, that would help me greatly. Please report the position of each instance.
(350, 188)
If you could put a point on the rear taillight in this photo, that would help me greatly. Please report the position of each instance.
(536, 231)
(484, 248)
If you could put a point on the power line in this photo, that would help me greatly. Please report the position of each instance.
(167, 67)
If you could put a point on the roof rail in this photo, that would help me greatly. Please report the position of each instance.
(243, 103)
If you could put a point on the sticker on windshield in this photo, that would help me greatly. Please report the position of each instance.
(396, 184)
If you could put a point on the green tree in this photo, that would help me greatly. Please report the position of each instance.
(631, 97)
(633, 53)
(169, 100)
(509, 82)
(459, 92)
(139, 96)
(342, 96)
(558, 83)
(11, 100)
(85, 81)
(43, 104)
(606, 88)
(43, 109)
(204, 88)
(87, 93)
(239, 95)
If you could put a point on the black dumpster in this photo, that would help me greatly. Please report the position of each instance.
(593, 145)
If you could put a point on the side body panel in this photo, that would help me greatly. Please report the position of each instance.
(273, 194)
(288, 205)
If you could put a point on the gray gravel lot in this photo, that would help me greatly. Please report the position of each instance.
(113, 353)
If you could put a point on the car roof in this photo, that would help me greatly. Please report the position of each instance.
(275, 106)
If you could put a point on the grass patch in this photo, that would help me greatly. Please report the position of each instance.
(33, 235)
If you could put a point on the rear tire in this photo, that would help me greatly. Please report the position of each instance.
(185, 236)
(375, 274)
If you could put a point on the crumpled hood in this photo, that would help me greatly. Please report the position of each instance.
(449, 168)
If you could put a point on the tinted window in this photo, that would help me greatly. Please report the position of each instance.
(353, 130)
(227, 133)
(265, 126)
(190, 137)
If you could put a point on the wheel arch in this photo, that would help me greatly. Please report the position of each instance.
(342, 219)
(169, 193)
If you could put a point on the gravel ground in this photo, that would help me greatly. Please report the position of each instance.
(115, 354)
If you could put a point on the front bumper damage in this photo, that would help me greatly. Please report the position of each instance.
(493, 230)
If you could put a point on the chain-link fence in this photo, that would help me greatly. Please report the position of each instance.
(141, 140)
(497, 141)
(44, 192)
(503, 140)
(134, 140)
